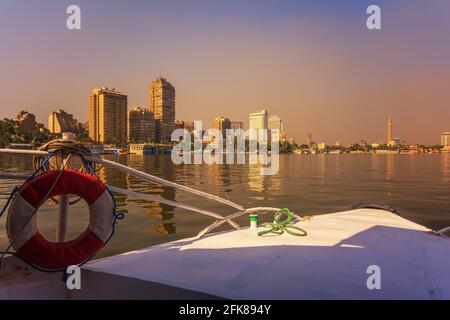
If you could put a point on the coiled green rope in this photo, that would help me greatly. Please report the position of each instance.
(278, 226)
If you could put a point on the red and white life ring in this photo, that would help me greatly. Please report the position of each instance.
(31, 246)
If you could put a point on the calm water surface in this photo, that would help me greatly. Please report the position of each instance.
(416, 185)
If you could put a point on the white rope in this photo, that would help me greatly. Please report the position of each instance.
(146, 197)
(229, 219)
(443, 231)
(220, 220)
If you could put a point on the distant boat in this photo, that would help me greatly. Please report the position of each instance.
(410, 151)
(387, 152)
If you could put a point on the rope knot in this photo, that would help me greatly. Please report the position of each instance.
(279, 226)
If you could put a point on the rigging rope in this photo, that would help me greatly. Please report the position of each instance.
(64, 147)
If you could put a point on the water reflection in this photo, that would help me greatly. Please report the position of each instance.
(416, 185)
(256, 181)
(445, 167)
(375, 165)
(321, 168)
(390, 167)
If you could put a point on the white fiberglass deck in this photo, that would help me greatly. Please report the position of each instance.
(330, 263)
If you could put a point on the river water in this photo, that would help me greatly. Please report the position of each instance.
(418, 186)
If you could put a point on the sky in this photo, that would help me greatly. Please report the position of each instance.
(313, 63)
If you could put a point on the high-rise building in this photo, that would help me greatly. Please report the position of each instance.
(61, 121)
(108, 116)
(161, 101)
(275, 123)
(389, 131)
(259, 120)
(222, 124)
(445, 139)
(236, 125)
(141, 125)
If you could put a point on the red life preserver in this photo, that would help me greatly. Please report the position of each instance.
(31, 246)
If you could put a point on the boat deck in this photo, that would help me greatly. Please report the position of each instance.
(330, 263)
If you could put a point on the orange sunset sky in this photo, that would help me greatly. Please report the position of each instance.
(313, 63)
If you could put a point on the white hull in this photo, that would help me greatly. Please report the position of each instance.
(330, 263)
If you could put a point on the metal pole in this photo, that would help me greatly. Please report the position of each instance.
(28, 152)
(64, 201)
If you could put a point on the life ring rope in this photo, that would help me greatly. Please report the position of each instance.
(25, 201)
(16, 190)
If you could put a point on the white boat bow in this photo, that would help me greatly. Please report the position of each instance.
(330, 263)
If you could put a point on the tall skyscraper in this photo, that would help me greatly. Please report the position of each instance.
(390, 136)
(275, 123)
(161, 101)
(141, 125)
(61, 121)
(258, 120)
(108, 116)
(222, 124)
(445, 139)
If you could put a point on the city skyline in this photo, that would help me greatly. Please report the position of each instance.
(138, 128)
(330, 77)
(140, 125)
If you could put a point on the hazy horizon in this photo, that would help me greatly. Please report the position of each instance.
(313, 63)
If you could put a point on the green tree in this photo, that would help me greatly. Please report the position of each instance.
(6, 132)
(84, 137)
(286, 147)
(39, 137)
